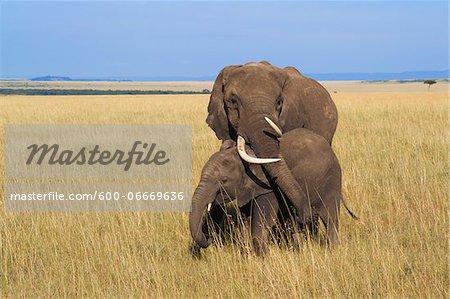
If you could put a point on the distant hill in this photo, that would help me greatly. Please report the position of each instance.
(61, 78)
(51, 78)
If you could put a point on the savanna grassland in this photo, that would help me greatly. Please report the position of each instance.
(394, 154)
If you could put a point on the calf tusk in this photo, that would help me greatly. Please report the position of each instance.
(249, 159)
(274, 126)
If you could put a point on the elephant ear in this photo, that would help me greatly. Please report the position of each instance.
(291, 116)
(217, 119)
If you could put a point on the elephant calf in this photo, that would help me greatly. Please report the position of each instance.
(313, 164)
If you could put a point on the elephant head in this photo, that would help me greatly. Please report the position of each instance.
(224, 178)
(243, 99)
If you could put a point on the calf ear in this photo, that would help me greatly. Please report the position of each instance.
(254, 184)
(227, 144)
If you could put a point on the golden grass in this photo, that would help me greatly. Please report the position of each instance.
(394, 155)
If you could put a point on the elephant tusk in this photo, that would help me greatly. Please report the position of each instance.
(274, 126)
(209, 207)
(249, 159)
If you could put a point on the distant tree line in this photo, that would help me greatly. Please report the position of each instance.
(57, 92)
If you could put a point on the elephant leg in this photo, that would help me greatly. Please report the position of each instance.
(296, 230)
(264, 217)
(292, 227)
(312, 228)
(246, 213)
(330, 218)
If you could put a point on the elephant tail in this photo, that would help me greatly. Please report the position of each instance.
(348, 209)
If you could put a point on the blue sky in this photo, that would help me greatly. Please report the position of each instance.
(194, 39)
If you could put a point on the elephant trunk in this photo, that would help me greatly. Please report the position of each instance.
(265, 145)
(200, 200)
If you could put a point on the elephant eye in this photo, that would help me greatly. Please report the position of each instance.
(279, 103)
(232, 102)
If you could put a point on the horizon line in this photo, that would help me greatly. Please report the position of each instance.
(332, 76)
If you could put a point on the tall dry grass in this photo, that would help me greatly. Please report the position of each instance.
(394, 154)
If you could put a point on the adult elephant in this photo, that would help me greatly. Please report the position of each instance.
(243, 97)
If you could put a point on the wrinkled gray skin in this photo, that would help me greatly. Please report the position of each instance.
(313, 164)
(244, 94)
